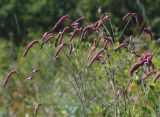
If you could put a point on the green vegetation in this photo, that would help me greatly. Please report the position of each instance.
(20, 19)
(100, 72)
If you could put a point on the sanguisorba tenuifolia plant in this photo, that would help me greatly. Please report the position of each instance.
(94, 48)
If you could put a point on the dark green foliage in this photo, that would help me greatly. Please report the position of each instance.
(21, 17)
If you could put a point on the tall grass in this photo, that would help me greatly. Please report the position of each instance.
(106, 75)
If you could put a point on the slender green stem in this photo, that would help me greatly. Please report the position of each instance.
(124, 28)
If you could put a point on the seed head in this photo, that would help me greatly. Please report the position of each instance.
(75, 24)
(149, 73)
(28, 47)
(136, 66)
(95, 57)
(148, 31)
(58, 51)
(62, 34)
(46, 37)
(60, 21)
(156, 77)
(101, 21)
(8, 77)
(72, 34)
(127, 15)
(120, 46)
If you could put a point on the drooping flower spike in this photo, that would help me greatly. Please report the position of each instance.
(9, 76)
(72, 34)
(60, 21)
(62, 34)
(146, 59)
(75, 24)
(46, 37)
(127, 15)
(28, 47)
(132, 15)
(145, 75)
(88, 30)
(120, 46)
(148, 31)
(101, 21)
(156, 77)
(136, 66)
(95, 57)
(147, 55)
(59, 49)
(32, 73)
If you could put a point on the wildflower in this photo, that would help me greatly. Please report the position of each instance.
(156, 77)
(28, 47)
(149, 73)
(95, 57)
(146, 58)
(136, 66)
(132, 15)
(147, 55)
(13, 72)
(80, 19)
(101, 21)
(72, 34)
(88, 30)
(148, 31)
(64, 30)
(127, 15)
(75, 24)
(59, 49)
(60, 21)
(62, 34)
(32, 73)
(120, 46)
(46, 37)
